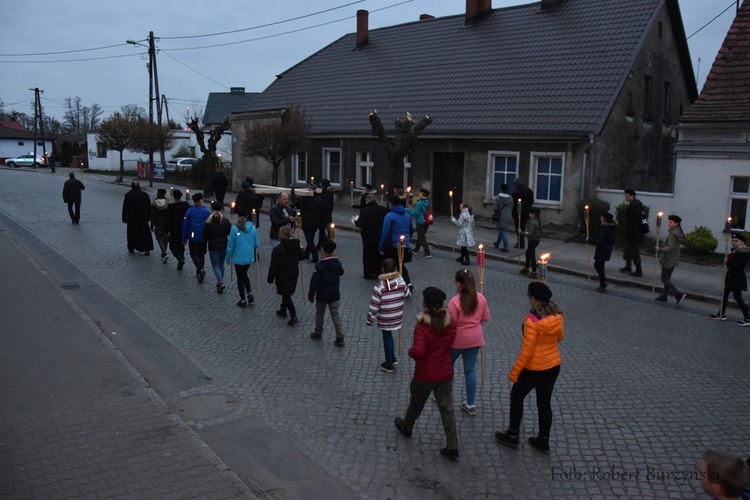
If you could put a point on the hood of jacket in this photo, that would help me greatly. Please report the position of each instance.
(389, 279)
(428, 320)
(678, 233)
(160, 204)
(425, 202)
(399, 209)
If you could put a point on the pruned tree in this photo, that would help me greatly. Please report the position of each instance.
(203, 175)
(275, 141)
(132, 111)
(148, 138)
(116, 132)
(396, 148)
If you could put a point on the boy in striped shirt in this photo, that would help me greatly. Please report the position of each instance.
(387, 304)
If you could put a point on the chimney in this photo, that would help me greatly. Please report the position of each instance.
(362, 29)
(425, 17)
(551, 4)
(476, 10)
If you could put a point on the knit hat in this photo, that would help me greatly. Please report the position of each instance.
(608, 217)
(217, 206)
(161, 192)
(197, 196)
(433, 296)
(247, 183)
(72, 175)
(539, 291)
(739, 236)
(177, 194)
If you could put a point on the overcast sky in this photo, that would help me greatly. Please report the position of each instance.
(250, 58)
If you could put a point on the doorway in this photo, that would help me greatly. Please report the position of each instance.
(447, 175)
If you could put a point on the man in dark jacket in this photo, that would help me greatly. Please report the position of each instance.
(136, 213)
(72, 196)
(220, 186)
(192, 234)
(370, 222)
(526, 195)
(248, 200)
(634, 219)
(175, 216)
(327, 194)
(397, 223)
(312, 213)
(281, 215)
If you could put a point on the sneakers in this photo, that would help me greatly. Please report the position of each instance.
(533, 275)
(394, 361)
(220, 288)
(316, 336)
(401, 426)
(448, 453)
(507, 439)
(744, 322)
(504, 250)
(292, 321)
(661, 298)
(164, 258)
(242, 303)
(681, 298)
(428, 256)
(496, 245)
(386, 367)
(525, 270)
(471, 410)
(339, 342)
(460, 260)
(250, 298)
(539, 443)
(201, 275)
(281, 313)
(718, 316)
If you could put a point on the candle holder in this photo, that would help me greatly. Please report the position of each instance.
(542, 265)
(450, 201)
(481, 267)
(587, 219)
(332, 232)
(187, 196)
(656, 254)
(382, 191)
(254, 218)
(351, 190)
(400, 252)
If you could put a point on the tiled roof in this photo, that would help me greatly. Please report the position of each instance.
(520, 70)
(13, 132)
(726, 94)
(222, 104)
(14, 125)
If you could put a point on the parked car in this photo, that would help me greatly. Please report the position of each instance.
(177, 164)
(26, 160)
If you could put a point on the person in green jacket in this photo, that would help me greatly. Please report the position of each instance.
(419, 211)
(669, 257)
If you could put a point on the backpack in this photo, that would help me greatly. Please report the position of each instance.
(428, 218)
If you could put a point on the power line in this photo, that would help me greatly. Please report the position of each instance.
(69, 60)
(62, 51)
(193, 69)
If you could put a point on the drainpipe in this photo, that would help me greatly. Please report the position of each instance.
(584, 167)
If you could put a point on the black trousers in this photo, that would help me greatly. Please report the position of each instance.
(371, 261)
(531, 254)
(310, 239)
(543, 382)
(178, 249)
(599, 266)
(197, 254)
(737, 294)
(243, 280)
(287, 303)
(74, 209)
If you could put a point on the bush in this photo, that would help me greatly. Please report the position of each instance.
(620, 218)
(596, 208)
(700, 242)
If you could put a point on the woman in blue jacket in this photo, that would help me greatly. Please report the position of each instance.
(241, 248)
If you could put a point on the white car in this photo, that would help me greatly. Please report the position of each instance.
(177, 164)
(26, 160)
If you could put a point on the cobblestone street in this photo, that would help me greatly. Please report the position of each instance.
(643, 390)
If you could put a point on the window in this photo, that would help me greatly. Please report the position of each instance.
(739, 196)
(629, 110)
(299, 167)
(364, 168)
(502, 168)
(101, 150)
(332, 165)
(667, 111)
(548, 177)
(648, 98)
(20, 143)
(408, 178)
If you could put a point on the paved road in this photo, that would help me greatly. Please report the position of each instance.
(643, 389)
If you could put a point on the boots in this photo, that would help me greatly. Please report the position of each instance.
(627, 269)
(638, 273)
(507, 438)
(540, 443)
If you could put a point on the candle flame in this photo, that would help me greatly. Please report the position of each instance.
(729, 219)
(544, 257)
(253, 211)
(586, 207)
(661, 214)
(232, 204)
(481, 247)
(450, 193)
(402, 237)
(408, 189)
(333, 225)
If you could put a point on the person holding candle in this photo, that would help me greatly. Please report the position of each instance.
(603, 242)
(397, 223)
(503, 215)
(176, 214)
(469, 309)
(536, 367)
(669, 257)
(418, 212)
(534, 234)
(216, 236)
(465, 236)
(523, 200)
(284, 270)
(735, 280)
(281, 215)
(634, 231)
(248, 200)
(219, 185)
(241, 249)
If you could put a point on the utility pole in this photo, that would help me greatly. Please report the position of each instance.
(38, 119)
(151, 59)
(152, 50)
(165, 108)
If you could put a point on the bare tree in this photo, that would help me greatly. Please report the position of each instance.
(405, 141)
(72, 115)
(132, 111)
(275, 141)
(116, 132)
(148, 138)
(203, 175)
(93, 117)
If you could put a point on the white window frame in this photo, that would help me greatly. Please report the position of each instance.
(327, 173)
(738, 195)
(368, 164)
(407, 170)
(490, 185)
(535, 156)
(299, 179)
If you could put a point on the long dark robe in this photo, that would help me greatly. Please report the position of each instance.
(136, 213)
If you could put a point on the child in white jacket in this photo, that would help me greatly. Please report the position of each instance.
(465, 237)
(387, 304)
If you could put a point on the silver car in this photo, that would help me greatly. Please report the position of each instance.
(178, 164)
(26, 160)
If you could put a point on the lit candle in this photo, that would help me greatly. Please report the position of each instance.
(333, 231)
(254, 218)
(351, 189)
(187, 195)
(382, 190)
(543, 260)
(450, 196)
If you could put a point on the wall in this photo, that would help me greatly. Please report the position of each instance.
(10, 148)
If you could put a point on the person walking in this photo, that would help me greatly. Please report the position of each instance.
(136, 213)
(219, 186)
(248, 200)
(192, 234)
(418, 212)
(434, 334)
(536, 367)
(326, 218)
(175, 215)
(735, 280)
(669, 257)
(281, 215)
(534, 235)
(241, 247)
(216, 236)
(465, 237)
(396, 224)
(526, 197)
(503, 215)
(160, 221)
(469, 309)
(387, 305)
(284, 271)
(312, 213)
(72, 196)
(634, 231)
(604, 241)
(370, 223)
(324, 292)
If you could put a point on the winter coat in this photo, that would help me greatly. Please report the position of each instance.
(246, 201)
(503, 209)
(220, 185)
(279, 214)
(192, 225)
(465, 223)
(431, 349)
(160, 214)
(284, 268)
(469, 331)
(534, 230)
(324, 284)
(216, 233)
(420, 209)
(312, 212)
(397, 223)
(72, 190)
(634, 222)
(539, 350)
(328, 202)
(242, 244)
(526, 195)
(175, 216)
(387, 301)
(370, 222)
(669, 252)
(603, 242)
(735, 278)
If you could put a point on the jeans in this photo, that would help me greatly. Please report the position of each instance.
(420, 391)
(243, 280)
(217, 262)
(470, 356)
(503, 235)
(320, 311)
(388, 346)
(543, 382)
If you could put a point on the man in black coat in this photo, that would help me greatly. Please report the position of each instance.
(526, 195)
(633, 234)
(312, 214)
(370, 222)
(136, 213)
(220, 186)
(327, 194)
(72, 196)
(175, 216)
(248, 200)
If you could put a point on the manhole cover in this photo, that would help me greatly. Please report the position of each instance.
(205, 406)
